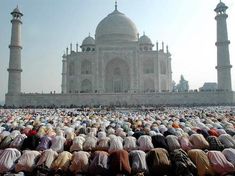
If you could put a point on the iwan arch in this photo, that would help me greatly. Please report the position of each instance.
(119, 67)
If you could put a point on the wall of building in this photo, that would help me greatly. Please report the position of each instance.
(148, 71)
(187, 98)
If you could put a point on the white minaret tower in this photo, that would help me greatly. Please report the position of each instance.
(223, 62)
(14, 80)
(64, 74)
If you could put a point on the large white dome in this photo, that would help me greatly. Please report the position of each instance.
(116, 27)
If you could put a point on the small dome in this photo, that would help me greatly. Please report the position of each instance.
(221, 7)
(145, 40)
(221, 4)
(88, 41)
(16, 10)
(116, 27)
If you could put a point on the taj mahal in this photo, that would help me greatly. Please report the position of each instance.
(116, 61)
(119, 67)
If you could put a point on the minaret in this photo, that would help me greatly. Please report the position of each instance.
(14, 80)
(223, 62)
(64, 74)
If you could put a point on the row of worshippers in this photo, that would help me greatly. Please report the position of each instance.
(69, 132)
(89, 139)
(157, 161)
(87, 145)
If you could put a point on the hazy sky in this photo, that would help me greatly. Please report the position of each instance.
(49, 26)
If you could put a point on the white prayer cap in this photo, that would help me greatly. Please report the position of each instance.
(152, 133)
(130, 133)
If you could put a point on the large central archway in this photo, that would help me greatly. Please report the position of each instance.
(117, 76)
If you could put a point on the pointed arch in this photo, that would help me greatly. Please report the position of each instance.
(148, 85)
(148, 66)
(163, 67)
(86, 67)
(86, 86)
(117, 76)
(163, 85)
(71, 68)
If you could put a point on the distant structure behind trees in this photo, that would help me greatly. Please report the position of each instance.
(209, 86)
(182, 86)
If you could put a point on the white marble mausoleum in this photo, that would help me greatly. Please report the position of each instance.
(117, 60)
(118, 66)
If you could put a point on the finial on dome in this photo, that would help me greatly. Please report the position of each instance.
(116, 5)
(89, 34)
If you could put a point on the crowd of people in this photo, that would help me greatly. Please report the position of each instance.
(157, 141)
